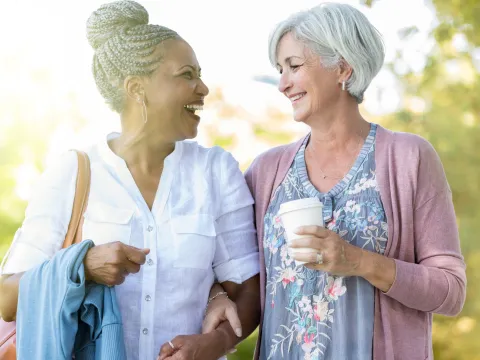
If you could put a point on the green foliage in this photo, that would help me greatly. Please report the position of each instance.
(451, 122)
(272, 136)
(224, 141)
(245, 349)
(14, 153)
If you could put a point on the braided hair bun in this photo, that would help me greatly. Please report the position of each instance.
(113, 17)
(124, 44)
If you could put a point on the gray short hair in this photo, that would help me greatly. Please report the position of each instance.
(336, 32)
(123, 42)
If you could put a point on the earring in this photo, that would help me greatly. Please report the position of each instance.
(144, 112)
(343, 85)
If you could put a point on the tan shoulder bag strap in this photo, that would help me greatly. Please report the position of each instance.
(82, 190)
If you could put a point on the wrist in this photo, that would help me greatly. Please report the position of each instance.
(366, 265)
(216, 288)
(212, 298)
(218, 294)
(220, 339)
(86, 271)
(378, 270)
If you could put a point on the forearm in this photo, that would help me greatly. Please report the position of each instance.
(247, 300)
(9, 285)
(378, 270)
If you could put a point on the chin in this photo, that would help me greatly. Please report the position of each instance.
(299, 117)
(191, 135)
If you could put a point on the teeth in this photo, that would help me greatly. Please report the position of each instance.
(194, 107)
(296, 97)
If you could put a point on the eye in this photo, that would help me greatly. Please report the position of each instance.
(188, 75)
(294, 67)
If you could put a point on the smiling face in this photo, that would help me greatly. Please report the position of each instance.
(174, 93)
(311, 88)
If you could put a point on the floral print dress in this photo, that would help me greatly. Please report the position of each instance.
(311, 314)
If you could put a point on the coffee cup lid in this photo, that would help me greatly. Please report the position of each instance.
(299, 204)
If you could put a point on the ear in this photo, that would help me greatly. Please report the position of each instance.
(344, 71)
(134, 88)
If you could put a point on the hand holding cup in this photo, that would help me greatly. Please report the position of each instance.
(297, 213)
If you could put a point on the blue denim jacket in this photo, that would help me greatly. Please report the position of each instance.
(59, 315)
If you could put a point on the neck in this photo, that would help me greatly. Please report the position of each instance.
(141, 149)
(147, 157)
(339, 130)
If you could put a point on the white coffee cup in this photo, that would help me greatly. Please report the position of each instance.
(296, 213)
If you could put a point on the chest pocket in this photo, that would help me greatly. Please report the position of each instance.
(194, 241)
(104, 223)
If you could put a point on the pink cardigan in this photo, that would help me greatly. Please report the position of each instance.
(422, 238)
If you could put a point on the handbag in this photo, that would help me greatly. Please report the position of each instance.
(73, 236)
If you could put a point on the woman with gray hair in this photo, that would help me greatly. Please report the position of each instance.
(389, 255)
(167, 216)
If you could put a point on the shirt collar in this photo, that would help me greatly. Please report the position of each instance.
(112, 159)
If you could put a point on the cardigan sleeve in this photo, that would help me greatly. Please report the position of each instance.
(436, 282)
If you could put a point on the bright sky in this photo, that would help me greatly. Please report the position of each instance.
(229, 37)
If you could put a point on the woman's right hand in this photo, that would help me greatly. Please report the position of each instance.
(109, 264)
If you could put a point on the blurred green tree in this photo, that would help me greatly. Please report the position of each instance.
(27, 123)
(442, 104)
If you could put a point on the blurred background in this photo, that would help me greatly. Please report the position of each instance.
(430, 85)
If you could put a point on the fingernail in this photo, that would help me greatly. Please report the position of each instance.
(238, 331)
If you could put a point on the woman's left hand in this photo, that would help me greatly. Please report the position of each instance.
(337, 256)
(219, 310)
(193, 347)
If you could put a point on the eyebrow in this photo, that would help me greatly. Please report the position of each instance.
(194, 68)
(288, 60)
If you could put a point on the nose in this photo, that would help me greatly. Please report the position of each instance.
(202, 89)
(284, 83)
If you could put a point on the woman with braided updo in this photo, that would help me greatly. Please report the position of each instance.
(167, 216)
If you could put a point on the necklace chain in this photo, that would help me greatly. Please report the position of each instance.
(324, 175)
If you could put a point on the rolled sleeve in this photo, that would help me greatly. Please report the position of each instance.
(238, 270)
(236, 256)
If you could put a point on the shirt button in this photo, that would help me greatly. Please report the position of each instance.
(145, 331)
(150, 228)
(150, 262)
(148, 298)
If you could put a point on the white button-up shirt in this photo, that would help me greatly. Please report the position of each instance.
(200, 228)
